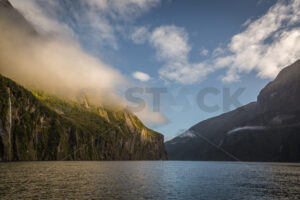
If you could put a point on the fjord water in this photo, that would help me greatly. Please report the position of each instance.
(149, 180)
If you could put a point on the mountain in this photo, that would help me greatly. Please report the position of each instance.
(266, 130)
(38, 126)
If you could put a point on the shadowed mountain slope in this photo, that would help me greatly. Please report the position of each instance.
(266, 130)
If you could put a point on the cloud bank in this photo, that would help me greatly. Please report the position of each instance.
(42, 59)
(55, 64)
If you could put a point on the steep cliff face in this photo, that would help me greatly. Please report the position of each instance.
(34, 126)
(266, 130)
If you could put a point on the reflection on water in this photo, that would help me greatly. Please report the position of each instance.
(149, 180)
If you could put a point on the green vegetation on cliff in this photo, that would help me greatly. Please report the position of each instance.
(37, 126)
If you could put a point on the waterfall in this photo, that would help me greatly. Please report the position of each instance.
(10, 123)
(85, 101)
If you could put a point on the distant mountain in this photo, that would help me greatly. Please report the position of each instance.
(37, 126)
(266, 130)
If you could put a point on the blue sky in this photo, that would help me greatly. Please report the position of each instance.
(183, 46)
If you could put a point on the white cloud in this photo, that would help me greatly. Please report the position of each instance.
(99, 29)
(218, 51)
(99, 19)
(204, 52)
(103, 17)
(141, 76)
(122, 9)
(185, 73)
(171, 43)
(267, 44)
(42, 18)
(140, 35)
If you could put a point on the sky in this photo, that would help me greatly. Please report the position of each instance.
(187, 51)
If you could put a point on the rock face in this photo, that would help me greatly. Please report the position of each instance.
(34, 126)
(266, 130)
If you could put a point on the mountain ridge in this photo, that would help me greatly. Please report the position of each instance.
(265, 130)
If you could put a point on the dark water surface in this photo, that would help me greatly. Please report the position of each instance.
(149, 180)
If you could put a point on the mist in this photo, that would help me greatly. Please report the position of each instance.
(57, 65)
(54, 63)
